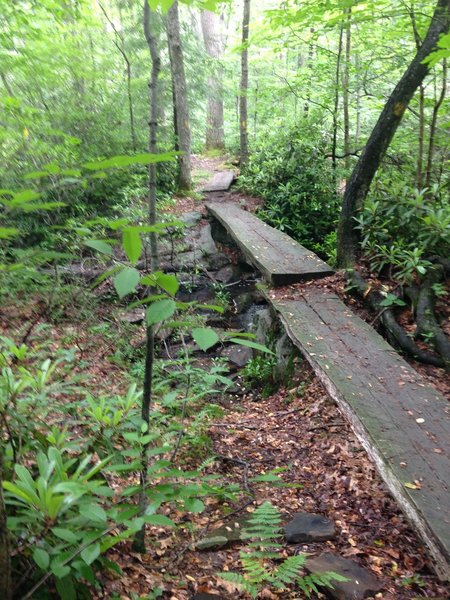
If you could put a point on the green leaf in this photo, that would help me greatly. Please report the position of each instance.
(124, 161)
(159, 520)
(66, 588)
(100, 246)
(91, 553)
(126, 281)
(194, 505)
(132, 244)
(253, 345)
(7, 233)
(60, 570)
(160, 310)
(93, 512)
(41, 558)
(205, 337)
(65, 534)
(169, 283)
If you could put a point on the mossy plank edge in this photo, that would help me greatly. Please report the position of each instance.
(280, 259)
(220, 182)
(338, 345)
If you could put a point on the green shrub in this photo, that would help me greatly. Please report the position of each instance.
(297, 184)
(403, 227)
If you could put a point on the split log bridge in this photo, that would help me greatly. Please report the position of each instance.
(402, 421)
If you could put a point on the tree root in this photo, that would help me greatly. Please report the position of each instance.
(427, 324)
(395, 332)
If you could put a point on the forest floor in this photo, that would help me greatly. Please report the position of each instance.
(297, 429)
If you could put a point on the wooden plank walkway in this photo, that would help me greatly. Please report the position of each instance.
(402, 422)
(220, 182)
(279, 258)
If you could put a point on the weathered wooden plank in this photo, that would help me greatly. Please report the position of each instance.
(220, 182)
(403, 423)
(279, 258)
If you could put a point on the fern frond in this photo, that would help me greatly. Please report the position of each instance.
(288, 571)
(241, 582)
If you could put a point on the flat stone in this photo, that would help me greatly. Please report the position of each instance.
(361, 582)
(238, 355)
(191, 218)
(136, 315)
(212, 543)
(308, 527)
(225, 535)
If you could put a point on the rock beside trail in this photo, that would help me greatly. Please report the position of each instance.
(191, 218)
(238, 355)
(361, 582)
(307, 527)
(223, 536)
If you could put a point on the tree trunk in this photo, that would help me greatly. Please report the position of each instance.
(381, 136)
(120, 45)
(243, 112)
(336, 99)
(212, 36)
(180, 97)
(436, 107)
(345, 90)
(139, 541)
(5, 554)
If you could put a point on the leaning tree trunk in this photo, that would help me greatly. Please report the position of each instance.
(381, 136)
(180, 97)
(211, 28)
(243, 111)
(139, 541)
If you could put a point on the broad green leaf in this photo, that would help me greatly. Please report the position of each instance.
(159, 520)
(253, 345)
(100, 246)
(91, 553)
(66, 588)
(205, 337)
(132, 244)
(160, 310)
(169, 283)
(93, 512)
(65, 534)
(59, 570)
(194, 505)
(126, 281)
(41, 558)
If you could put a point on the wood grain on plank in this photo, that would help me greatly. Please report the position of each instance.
(403, 423)
(279, 258)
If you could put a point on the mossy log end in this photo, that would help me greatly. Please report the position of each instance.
(395, 332)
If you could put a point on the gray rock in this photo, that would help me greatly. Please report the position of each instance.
(285, 351)
(206, 245)
(225, 535)
(135, 315)
(216, 261)
(191, 218)
(361, 582)
(247, 299)
(238, 355)
(227, 274)
(262, 323)
(211, 543)
(308, 527)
